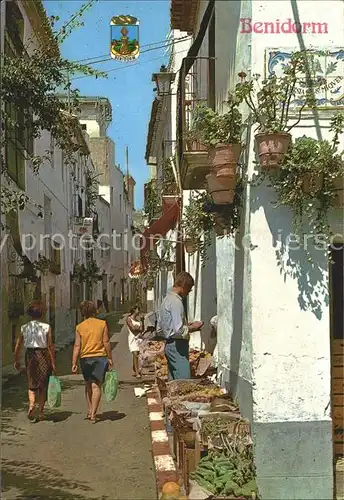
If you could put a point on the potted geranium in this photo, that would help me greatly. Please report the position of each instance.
(221, 133)
(270, 104)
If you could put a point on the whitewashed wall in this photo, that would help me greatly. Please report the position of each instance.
(273, 343)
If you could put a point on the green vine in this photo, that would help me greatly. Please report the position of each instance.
(197, 223)
(309, 179)
(91, 191)
(28, 91)
(90, 274)
(169, 185)
(152, 203)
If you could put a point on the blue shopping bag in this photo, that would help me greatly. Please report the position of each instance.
(110, 386)
(54, 392)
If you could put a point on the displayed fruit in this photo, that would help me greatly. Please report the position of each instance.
(170, 488)
(221, 475)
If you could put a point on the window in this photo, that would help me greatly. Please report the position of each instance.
(84, 126)
(55, 257)
(52, 151)
(79, 206)
(111, 196)
(62, 165)
(19, 140)
(120, 203)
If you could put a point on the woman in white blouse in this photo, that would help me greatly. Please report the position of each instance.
(39, 357)
(134, 329)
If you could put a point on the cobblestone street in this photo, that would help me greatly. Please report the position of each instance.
(66, 457)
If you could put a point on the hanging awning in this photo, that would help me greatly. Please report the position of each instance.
(159, 228)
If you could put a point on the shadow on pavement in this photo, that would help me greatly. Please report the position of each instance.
(112, 416)
(36, 482)
(58, 416)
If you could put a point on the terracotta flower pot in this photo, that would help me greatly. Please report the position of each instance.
(221, 189)
(272, 148)
(224, 159)
(190, 246)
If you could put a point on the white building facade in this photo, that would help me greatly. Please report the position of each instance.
(274, 326)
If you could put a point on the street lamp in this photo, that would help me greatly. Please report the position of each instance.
(163, 81)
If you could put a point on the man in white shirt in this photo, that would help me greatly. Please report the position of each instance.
(172, 326)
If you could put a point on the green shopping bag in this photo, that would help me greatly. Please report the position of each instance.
(54, 392)
(110, 387)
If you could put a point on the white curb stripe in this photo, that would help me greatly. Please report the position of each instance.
(152, 401)
(159, 436)
(164, 463)
(155, 416)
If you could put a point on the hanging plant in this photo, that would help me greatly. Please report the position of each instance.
(42, 265)
(91, 191)
(169, 185)
(270, 102)
(311, 178)
(90, 274)
(197, 225)
(227, 218)
(152, 202)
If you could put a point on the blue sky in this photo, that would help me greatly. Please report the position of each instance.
(128, 86)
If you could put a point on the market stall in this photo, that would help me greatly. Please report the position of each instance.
(212, 442)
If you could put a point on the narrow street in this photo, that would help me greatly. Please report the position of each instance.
(66, 457)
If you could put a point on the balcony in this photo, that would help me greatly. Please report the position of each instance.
(192, 92)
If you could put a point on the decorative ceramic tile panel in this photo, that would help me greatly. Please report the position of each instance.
(326, 68)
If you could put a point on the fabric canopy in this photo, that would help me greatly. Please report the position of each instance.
(159, 228)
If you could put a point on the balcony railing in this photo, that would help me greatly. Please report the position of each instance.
(193, 91)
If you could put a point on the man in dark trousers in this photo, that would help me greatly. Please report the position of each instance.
(173, 327)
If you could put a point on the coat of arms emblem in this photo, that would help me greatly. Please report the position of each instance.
(125, 44)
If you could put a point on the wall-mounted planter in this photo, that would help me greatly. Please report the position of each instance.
(339, 187)
(271, 148)
(315, 184)
(224, 159)
(190, 246)
(222, 189)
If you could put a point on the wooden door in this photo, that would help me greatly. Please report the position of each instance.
(337, 350)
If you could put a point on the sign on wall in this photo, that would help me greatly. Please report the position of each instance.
(327, 71)
(83, 226)
(125, 45)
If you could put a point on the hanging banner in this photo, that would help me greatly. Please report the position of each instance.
(125, 44)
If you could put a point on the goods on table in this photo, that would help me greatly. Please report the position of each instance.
(203, 395)
(149, 352)
(215, 424)
(223, 474)
(186, 386)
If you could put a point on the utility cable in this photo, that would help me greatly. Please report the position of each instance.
(131, 66)
(166, 45)
(92, 60)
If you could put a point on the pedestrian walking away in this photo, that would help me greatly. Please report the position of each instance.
(92, 346)
(134, 329)
(39, 357)
(173, 327)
